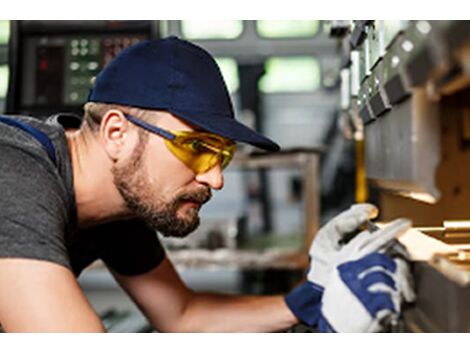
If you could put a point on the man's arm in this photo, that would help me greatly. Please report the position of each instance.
(40, 296)
(172, 307)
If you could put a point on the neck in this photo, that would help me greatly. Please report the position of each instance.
(98, 200)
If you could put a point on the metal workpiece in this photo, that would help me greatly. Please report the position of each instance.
(455, 266)
(403, 148)
(441, 274)
(443, 299)
(447, 237)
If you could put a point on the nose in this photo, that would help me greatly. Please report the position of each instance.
(212, 177)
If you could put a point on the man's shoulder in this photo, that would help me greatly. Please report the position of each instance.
(29, 180)
(53, 126)
(28, 135)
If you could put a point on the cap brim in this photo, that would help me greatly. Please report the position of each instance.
(229, 128)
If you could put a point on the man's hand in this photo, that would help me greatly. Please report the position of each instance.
(326, 244)
(304, 300)
(367, 287)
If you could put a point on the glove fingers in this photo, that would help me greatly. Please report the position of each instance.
(397, 250)
(394, 294)
(380, 301)
(367, 208)
(350, 223)
(386, 318)
(371, 280)
(353, 218)
(379, 277)
(380, 238)
(405, 280)
(369, 261)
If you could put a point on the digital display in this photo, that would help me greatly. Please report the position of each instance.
(85, 58)
(58, 70)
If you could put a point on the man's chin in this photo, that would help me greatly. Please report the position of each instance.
(177, 234)
(180, 227)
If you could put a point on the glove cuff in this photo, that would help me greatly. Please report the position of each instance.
(305, 301)
(323, 325)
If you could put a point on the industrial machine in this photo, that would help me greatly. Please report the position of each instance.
(406, 92)
(52, 63)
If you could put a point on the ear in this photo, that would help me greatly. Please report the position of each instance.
(116, 133)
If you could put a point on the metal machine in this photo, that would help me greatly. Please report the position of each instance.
(52, 63)
(406, 91)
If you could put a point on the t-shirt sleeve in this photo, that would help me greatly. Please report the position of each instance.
(130, 247)
(32, 208)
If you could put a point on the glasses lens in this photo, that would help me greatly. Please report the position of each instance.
(201, 151)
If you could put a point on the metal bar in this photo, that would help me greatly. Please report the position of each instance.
(312, 199)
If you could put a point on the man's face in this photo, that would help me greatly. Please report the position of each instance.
(160, 189)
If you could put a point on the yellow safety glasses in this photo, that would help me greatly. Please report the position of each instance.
(200, 151)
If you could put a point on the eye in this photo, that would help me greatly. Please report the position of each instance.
(197, 146)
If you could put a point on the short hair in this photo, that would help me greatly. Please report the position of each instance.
(94, 112)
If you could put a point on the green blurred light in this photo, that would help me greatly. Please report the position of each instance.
(229, 69)
(287, 29)
(291, 74)
(4, 31)
(211, 29)
(4, 73)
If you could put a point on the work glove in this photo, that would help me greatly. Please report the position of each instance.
(367, 288)
(327, 242)
(304, 300)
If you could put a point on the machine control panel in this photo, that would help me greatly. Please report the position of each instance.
(63, 68)
(53, 63)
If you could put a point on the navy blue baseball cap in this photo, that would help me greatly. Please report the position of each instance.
(177, 76)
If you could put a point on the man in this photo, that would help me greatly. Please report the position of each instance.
(158, 130)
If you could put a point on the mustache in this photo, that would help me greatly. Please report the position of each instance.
(199, 196)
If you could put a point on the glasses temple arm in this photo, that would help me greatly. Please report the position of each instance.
(154, 129)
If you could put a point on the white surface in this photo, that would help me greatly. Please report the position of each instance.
(422, 247)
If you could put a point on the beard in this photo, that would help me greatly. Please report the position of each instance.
(139, 196)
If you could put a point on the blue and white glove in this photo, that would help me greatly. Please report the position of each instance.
(304, 300)
(367, 287)
(326, 244)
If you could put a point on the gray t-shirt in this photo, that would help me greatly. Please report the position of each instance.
(38, 215)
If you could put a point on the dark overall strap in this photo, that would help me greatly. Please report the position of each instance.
(40, 136)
